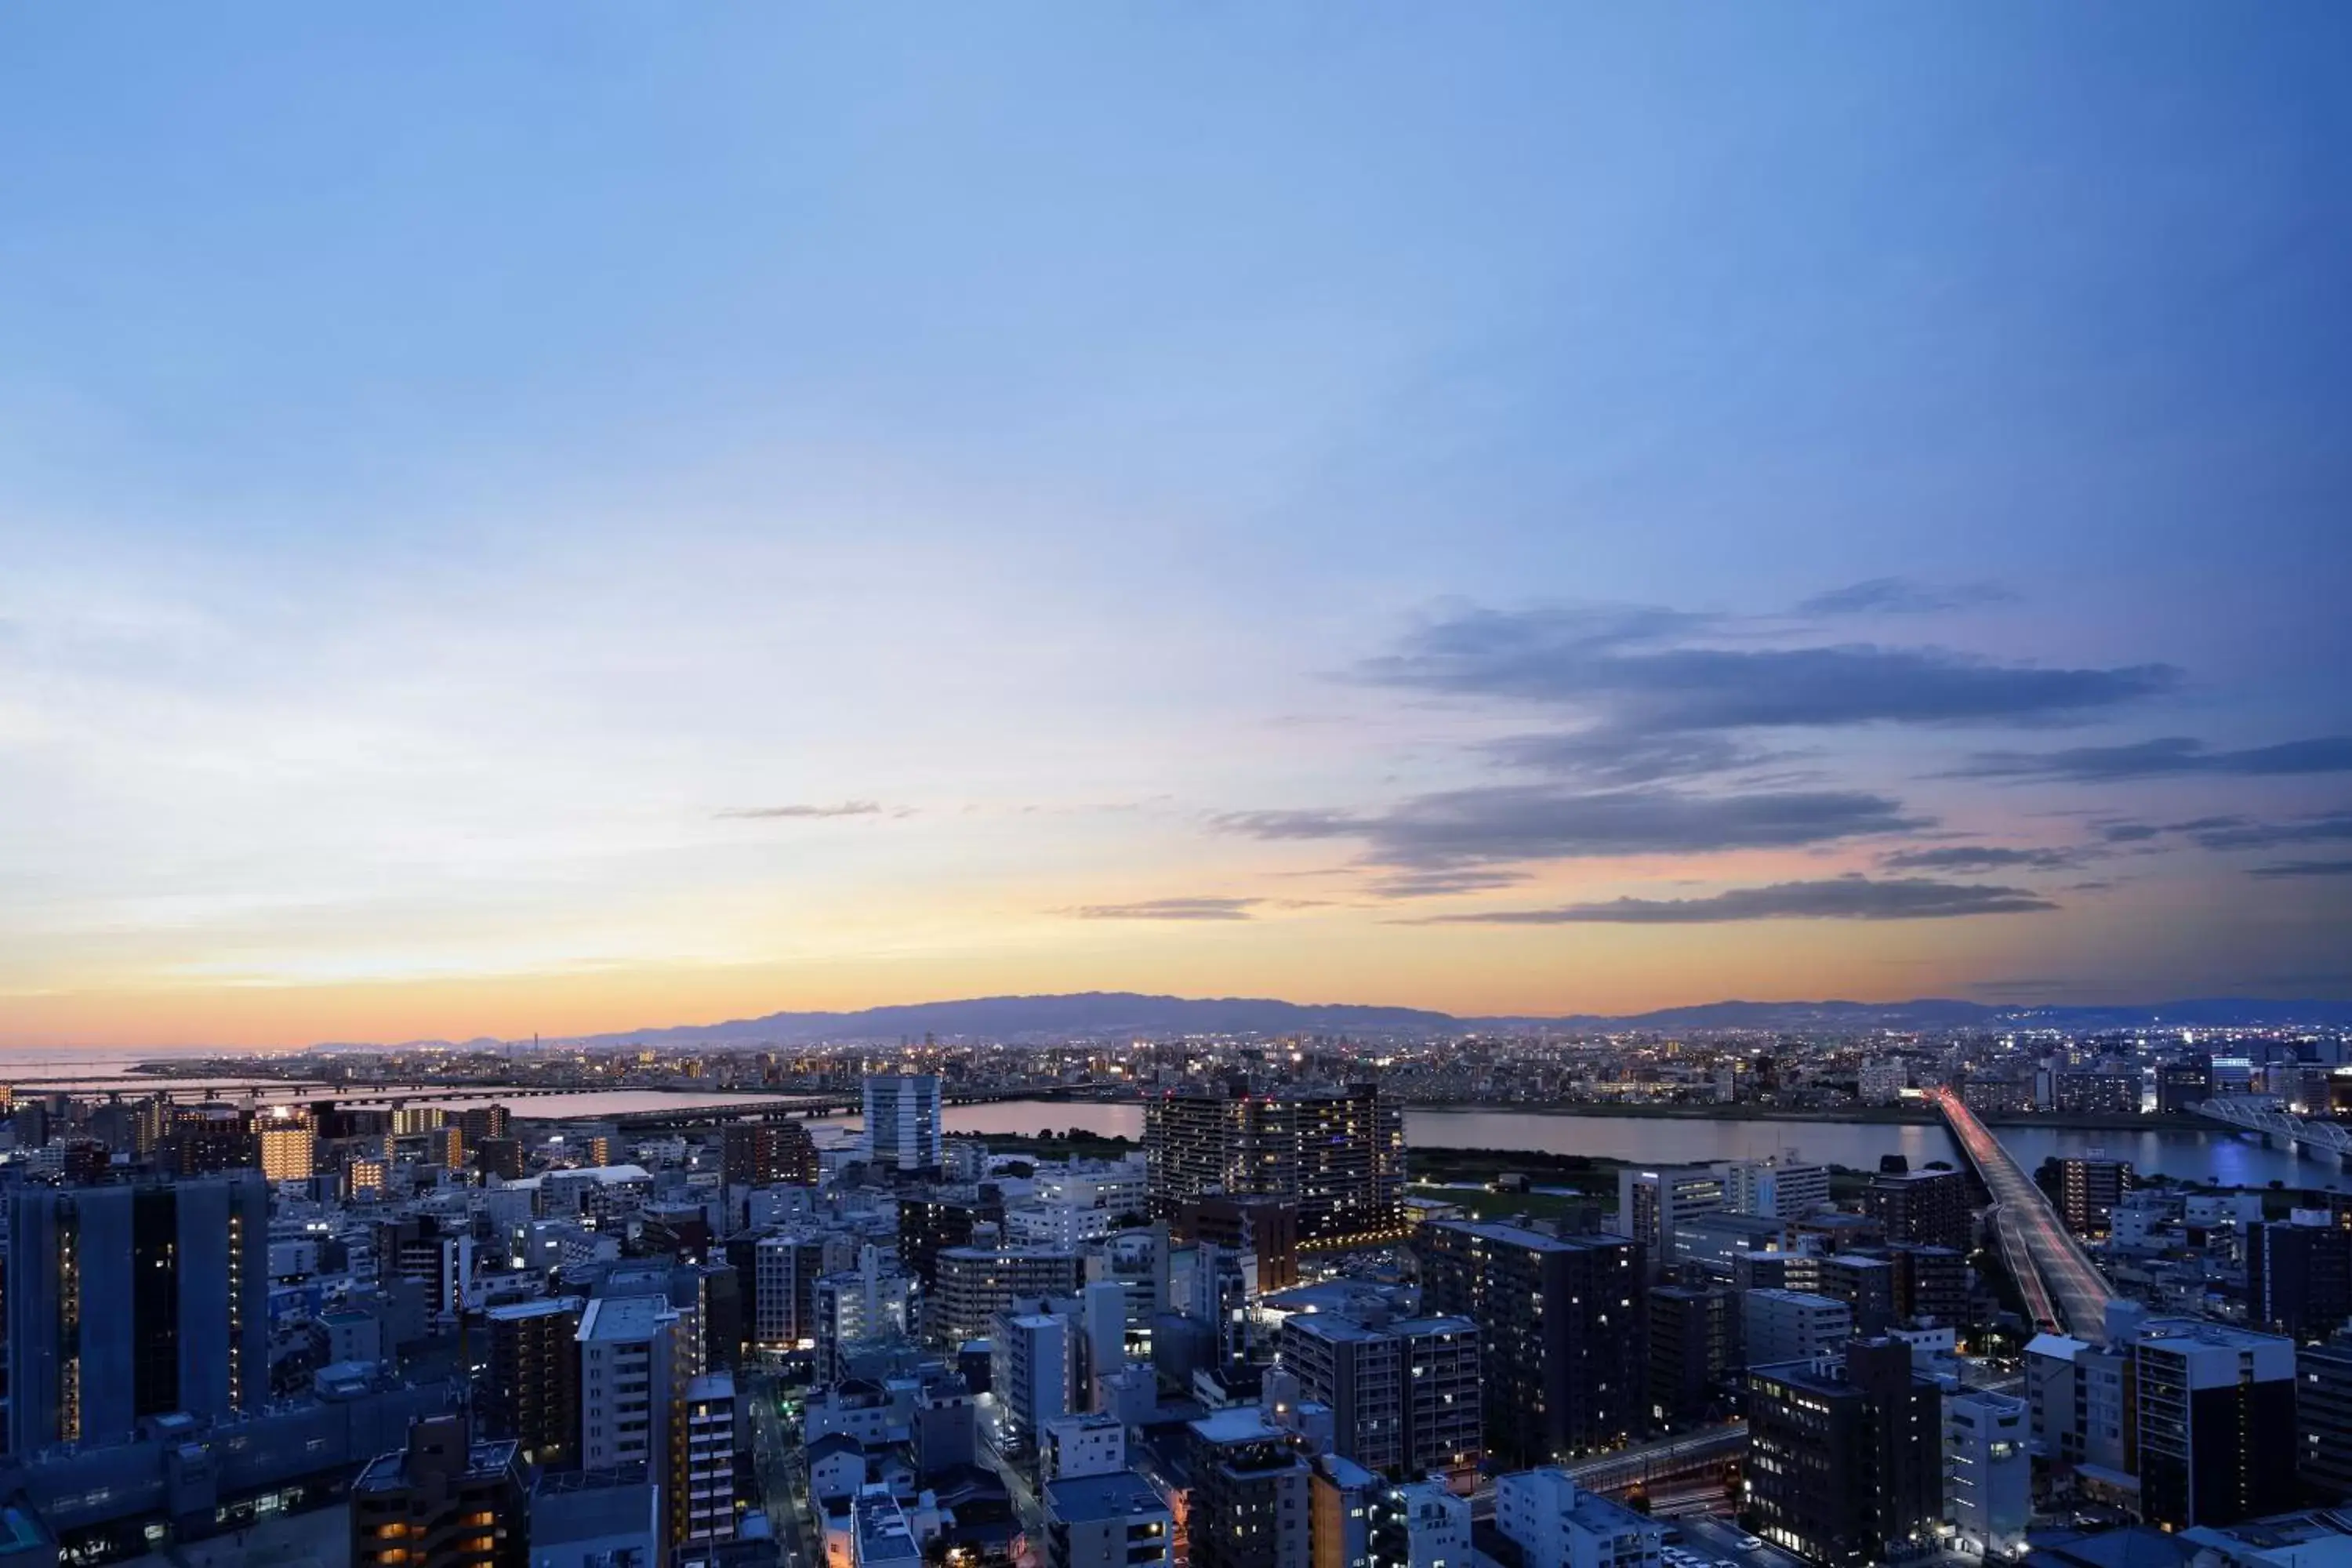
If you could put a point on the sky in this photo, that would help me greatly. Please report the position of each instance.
(564, 517)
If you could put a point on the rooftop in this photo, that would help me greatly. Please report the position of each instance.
(624, 1317)
(1116, 1496)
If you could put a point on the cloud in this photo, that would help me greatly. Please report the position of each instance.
(1634, 674)
(1901, 596)
(1836, 898)
(2128, 832)
(1506, 822)
(1170, 910)
(1441, 884)
(2165, 757)
(2239, 833)
(1614, 758)
(799, 813)
(1979, 858)
(2283, 868)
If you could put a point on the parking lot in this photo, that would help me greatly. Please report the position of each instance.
(1708, 1542)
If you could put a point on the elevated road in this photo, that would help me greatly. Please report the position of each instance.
(2063, 1288)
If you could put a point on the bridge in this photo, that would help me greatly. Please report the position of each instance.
(748, 1103)
(2254, 1113)
(2063, 1289)
(1668, 1458)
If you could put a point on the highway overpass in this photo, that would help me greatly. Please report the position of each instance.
(2063, 1289)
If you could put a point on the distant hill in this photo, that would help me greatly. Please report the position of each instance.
(1111, 1014)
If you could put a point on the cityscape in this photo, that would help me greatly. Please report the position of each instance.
(1317, 784)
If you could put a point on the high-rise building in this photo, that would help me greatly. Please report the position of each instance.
(2089, 1188)
(500, 1157)
(1562, 1352)
(137, 1299)
(903, 1130)
(1845, 1460)
(975, 1283)
(1267, 1229)
(1033, 1375)
(1405, 1397)
(1988, 1473)
(1651, 1201)
(702, 1461)
(288, 1148)
(1336, 1155)
(767, 1154)
(1555, 1524)
(2202, 1414)
(2322, 1415)
(876, 1300)
(530, 1388)
(445, 1502)
(2299, 1276)
(1929, 1206)
(206, 1140)
(785, 1269)
(626, 1380)
(946, 1216)
(2183, 1084)
(1931, 1283)
(1693, 1342)
(481, 1121)
(1249, 1505)
(1777, 1188)
(1791, 1325)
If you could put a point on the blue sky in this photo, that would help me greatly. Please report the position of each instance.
(1185, 469)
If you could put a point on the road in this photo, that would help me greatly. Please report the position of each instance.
(776, 1462)
(2062, 1287)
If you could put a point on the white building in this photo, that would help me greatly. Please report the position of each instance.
(878, 1300)
(1883, 1081)
(1649, 1202)
(1792, 1325)
(1089, 1444)
(1555, 1524)
(1120, 1186)
(1421, 1524)
(1033, 1375)
(625, 1380)
(1988, 1472)
(1775, 1189)
(1058, 1223)
(902, 1122)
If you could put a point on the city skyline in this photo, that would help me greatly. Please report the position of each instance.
(1538, 515)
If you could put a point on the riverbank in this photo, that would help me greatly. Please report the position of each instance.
(1871, 1115)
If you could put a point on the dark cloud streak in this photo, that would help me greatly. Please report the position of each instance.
(1841, 899)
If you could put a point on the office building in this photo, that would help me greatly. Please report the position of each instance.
(1249, 1506)
(444, 1501)
(2182, 1086)
(1113, 1521)
(531, 1386)
(2322, 1415)
(903, 1130)
(134, 1300)
(499, 1157)
(626, 1346)
(1405, 1397)
(1694, 1335)
(1090, 1443)
(1931, 1284)
(1267, 1229)
(1866, 1286)
(1653, 1202)
(1337, 1156)
(702, 1461)
(1845, 1461)
(1420, 1524)
(1562, 1325)
(878, 1300)
(209, 1139)
(1555, 1524)
(1791, 1325)
(1988, 1473)
(1930, 1207)
(2089, 1189)
(2299, 1275)
(595, 1519)
(767, 1154)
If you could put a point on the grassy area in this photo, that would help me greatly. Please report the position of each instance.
(1480, 1203)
